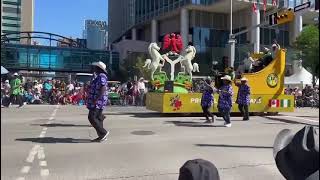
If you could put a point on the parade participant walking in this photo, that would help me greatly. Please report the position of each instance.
(207, 100)
(97, 100)
(243, 98)
(225, 100)
(16, 92)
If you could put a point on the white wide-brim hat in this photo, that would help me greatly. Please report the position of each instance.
(101, 65)
(244, 79)
(7, 81)
(15, 74)
(226, 77)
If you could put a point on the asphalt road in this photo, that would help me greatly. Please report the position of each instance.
(53, 142)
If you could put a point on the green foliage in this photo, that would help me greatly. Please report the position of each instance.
(308, 45)
(139, 70)
(132, 66)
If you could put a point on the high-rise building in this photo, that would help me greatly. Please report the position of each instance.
(204, 22)
(96, 34)
(17, 16)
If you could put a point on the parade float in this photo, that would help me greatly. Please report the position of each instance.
(267, 85)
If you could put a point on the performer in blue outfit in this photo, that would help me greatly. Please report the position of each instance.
(207, 100)
(225, 100)
(243, 98)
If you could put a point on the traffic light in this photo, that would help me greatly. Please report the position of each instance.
(273, 19)
(285, 17)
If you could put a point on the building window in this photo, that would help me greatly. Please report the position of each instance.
(11, 18)
(18, 3)
(12, 10)
(10, 25)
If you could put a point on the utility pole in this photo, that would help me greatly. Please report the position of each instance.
(232, 41)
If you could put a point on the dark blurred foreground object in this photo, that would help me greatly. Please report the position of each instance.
(198, 169)
(297, 155)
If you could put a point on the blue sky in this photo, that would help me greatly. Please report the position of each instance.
(66, 17)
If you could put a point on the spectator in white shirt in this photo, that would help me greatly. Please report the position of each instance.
(37, 86)
(70, 88)
(141, 90)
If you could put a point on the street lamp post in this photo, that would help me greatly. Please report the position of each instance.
(232, 41)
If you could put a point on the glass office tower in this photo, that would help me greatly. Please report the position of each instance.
(10, 16)
(204, 22)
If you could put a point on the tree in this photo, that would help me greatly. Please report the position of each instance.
(133, 66)
(139, 70)
(308, 45)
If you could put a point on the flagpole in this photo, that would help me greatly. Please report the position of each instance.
(230, 18)
(231, 41)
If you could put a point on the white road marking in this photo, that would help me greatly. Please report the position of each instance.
(44, 172)
(25, 169)
(32, 153)
(43, 163)
(41, 154)
(37, 149)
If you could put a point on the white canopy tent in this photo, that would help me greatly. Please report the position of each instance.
(300, 78)
(4, 70)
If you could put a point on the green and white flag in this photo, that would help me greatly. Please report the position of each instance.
(285, 103)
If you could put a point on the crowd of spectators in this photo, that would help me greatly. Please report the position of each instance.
(55, 91)
(45, 91)
(306, 97)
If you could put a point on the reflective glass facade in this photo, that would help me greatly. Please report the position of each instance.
(26, 57)
(209, 31)
(11, 16)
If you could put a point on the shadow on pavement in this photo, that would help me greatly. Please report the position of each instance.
(233, 146)
(191, 124)
(54, 140)
(145, 114)
(61, 125)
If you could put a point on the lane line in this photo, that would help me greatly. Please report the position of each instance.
(25, 169)
(44, 172)
(43, 163)
(37, 149)
(32, 153)
(41, 154)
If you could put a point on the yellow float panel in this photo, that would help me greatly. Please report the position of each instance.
(191, 103)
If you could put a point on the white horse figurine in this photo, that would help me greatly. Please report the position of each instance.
(186, 57)
(156, 58)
